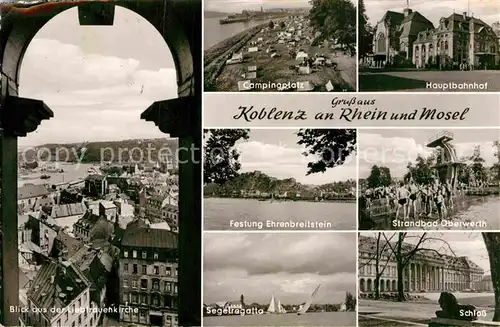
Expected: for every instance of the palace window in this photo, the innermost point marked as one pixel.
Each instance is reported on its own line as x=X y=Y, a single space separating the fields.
x=134 y=254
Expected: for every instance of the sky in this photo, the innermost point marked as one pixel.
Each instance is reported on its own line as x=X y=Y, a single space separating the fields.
x=239 y=5
x=469 y=244
x=433 y=10
x=276 y=153
x=394 y=148
x=290 y=265
x=97 y=80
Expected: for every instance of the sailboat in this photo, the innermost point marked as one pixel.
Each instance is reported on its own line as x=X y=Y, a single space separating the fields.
x=304 y=307
x=275 y=307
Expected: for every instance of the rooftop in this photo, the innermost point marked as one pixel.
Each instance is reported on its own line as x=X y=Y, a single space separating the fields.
x=65 y=210
x=30 y=191
x=149 y=237
x=56 y=285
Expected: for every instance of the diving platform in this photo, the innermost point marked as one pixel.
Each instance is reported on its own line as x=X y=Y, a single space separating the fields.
x=439 y=139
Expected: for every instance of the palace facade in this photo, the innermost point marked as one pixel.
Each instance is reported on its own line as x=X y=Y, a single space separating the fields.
x=428 y=271
x=459 y=39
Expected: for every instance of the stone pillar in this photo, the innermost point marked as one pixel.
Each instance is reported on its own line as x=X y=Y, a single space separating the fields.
x=18 y=117
x=421 y=277
x=409 y=278
x=427 y=278
x=181 y=118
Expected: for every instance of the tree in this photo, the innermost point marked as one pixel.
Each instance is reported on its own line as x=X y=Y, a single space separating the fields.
x=282 y=25
x=332 y=146
x=379 y=176
x=350 y=302
x=271 y=25
x=404 y=252
x=492 y=242
x=221 y=159
x=477 y=166
x=495 y=169
x=422 y=173
x=334 y=19
x=382 y=251
x=365 y=31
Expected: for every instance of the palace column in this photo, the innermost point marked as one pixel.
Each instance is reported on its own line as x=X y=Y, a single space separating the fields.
x=18 y=117
x=442 y=279
x=415 y=278
x=420 y=268
x=428 y=277
x=409 y=278
x=181 y=117
x=438 y=280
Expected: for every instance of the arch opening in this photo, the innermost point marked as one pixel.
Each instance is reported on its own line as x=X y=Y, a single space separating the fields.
x=98 y=85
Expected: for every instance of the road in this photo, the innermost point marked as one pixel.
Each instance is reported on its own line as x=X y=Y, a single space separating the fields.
x=346 y=66
x=425 y=309
x=416 y=81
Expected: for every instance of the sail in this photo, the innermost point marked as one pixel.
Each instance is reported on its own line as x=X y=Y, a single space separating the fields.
x=303 y=309
x=280 y=308
x=272 y=305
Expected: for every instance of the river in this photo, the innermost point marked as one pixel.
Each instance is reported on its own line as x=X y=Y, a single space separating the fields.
x=215 y=32
x=472 y=213
x=219 y=212
x=71 y=172
x=310 y=319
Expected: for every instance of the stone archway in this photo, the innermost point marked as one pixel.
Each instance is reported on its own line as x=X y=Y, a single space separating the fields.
x=362 y=285
x=179 y=23
x=369 y=286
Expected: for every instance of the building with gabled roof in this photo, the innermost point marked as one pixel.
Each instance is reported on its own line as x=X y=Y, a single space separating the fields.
x=62 y=286
x=395 y=33
x=92 y=226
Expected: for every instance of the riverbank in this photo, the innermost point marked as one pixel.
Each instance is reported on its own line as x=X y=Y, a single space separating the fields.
x=215 y=58
x=275 y=62
x=468 y=210
x=345 y=200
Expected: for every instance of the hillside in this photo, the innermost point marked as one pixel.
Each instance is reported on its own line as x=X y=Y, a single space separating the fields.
x=215 y=14
x=258 y=181
x=116 y=151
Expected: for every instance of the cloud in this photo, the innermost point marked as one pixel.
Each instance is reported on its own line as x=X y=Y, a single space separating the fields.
x=396 y=152
x=97 y=80
x=290 y=265
x=435 y=9
x=284 y=161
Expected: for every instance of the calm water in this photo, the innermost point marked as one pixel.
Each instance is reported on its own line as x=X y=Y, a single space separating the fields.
x=486 y=209
x=470 y=209
x=218 y=213
x=71 y=172
x=310 y=319
x=215 y=32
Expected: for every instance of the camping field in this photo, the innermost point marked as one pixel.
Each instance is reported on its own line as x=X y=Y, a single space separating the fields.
x=288 y=54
